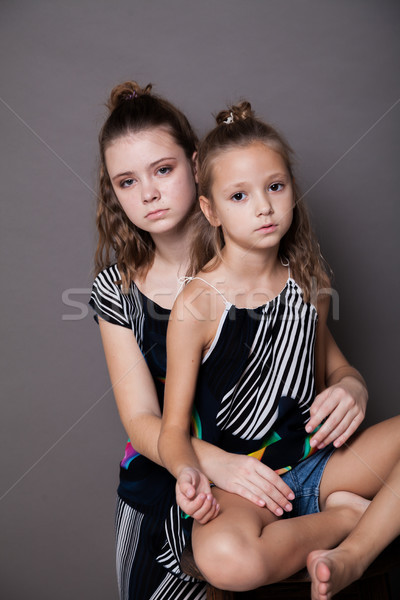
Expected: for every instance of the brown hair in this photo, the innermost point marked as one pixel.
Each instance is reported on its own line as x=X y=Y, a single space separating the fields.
x=132 y=109
x=238 y=126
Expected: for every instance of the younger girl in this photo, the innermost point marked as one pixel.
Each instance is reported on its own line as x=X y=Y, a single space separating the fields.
x=247 y=351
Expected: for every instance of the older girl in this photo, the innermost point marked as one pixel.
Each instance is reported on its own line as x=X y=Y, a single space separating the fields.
x=248 y=348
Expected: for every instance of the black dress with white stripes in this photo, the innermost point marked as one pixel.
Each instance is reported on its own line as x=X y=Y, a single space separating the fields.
x=150 y=535
x=256 y=382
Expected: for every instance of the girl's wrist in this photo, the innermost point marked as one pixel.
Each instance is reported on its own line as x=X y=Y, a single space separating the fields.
x=346 y=372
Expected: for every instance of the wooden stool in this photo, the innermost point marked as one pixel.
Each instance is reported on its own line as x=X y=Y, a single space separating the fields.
x=373 y=585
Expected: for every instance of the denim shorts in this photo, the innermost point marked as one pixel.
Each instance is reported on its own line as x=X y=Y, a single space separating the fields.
x=304 y=480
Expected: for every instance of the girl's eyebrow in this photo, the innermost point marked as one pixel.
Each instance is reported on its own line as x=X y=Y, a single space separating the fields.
x=234 y=185
x=151 y=166
x=237 y=184
x=278 y=174
x=125 y=174
x=165 y=158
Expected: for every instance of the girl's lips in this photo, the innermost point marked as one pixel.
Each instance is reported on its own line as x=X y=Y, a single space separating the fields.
x=267 y=228
x=156 y=214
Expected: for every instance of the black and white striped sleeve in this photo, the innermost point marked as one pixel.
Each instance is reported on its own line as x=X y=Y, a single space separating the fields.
x=107 y=300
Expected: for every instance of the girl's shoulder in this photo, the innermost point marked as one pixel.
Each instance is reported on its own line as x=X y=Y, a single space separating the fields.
x=109 y=279
x=109 y=276
x=109 y=300
x=201 y=286
x=199 y=299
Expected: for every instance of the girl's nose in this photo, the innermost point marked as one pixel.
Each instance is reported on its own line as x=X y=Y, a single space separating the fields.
x=265 y=207
x=149 y=192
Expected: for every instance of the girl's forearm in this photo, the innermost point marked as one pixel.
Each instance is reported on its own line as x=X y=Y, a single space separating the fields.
x=176 y=451
x=208 y=456
x=144 y=432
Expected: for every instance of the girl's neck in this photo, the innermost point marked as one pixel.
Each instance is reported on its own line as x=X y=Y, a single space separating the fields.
x=252 y=265
x=249 y=280
x=172 y=250
x=161 y=282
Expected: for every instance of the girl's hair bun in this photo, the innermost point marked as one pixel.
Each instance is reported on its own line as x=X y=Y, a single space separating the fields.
x=129 y=90
x=237 y=112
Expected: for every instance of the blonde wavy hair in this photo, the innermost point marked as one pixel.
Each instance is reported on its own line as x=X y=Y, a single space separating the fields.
x=238 y=127
x=131 y=109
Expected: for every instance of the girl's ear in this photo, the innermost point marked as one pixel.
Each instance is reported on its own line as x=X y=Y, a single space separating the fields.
x=207 y=210
x=194 y=166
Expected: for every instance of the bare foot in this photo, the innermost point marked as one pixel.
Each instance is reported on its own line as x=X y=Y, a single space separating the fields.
x=331 y=571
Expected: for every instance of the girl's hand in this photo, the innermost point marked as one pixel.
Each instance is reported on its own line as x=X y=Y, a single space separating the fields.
x=343 y=405
x=248 y=477
x=193 y=495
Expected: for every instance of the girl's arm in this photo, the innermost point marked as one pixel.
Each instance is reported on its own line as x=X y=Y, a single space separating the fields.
x=343 y=393
x=188 y=334
x=136 y=396
x=133 y=388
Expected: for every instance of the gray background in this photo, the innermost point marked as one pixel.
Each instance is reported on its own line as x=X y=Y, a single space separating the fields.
x=324 y=72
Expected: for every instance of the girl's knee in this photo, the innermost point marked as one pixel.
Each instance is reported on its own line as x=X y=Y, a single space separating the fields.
x=231 y=561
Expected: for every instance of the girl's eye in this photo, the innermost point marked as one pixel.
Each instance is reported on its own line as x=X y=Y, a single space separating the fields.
x=164 y=170
x=275 y=187
x=127 y=183
x=238 y=196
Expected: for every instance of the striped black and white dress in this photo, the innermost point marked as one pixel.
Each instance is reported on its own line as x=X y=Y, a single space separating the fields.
x=150 y=534
x=256 y=383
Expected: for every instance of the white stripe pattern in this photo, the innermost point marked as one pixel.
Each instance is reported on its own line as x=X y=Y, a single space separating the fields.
x=128 y=523
x=112 y=305
x=280 y=363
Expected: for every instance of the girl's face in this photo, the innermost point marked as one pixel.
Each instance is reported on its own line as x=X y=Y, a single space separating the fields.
x=252 y=196
x=152 y=179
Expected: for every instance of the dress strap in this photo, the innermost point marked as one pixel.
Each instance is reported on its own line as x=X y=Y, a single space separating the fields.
x=185 y=280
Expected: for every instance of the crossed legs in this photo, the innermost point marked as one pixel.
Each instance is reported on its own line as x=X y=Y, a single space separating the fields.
x=246 y=546
x=372 y=461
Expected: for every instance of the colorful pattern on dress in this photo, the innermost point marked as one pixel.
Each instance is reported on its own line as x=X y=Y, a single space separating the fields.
x=195 y=425
x=274 y=437
x=130 y=454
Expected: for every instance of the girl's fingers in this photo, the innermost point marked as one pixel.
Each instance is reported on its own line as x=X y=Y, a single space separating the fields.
x=266 y=488
x=320 y=409
x=187 y=489
x=253 y=494
x=207 y=511
x=190 y=506
x=271 y=490
x=343 y=410
x=270 y=498
x=275 y=507
x=277 y=503
x=349 y=431
x=269 y=476
x=340 y=433
x=277 y=499
x=333 y=427
x=338 y=414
